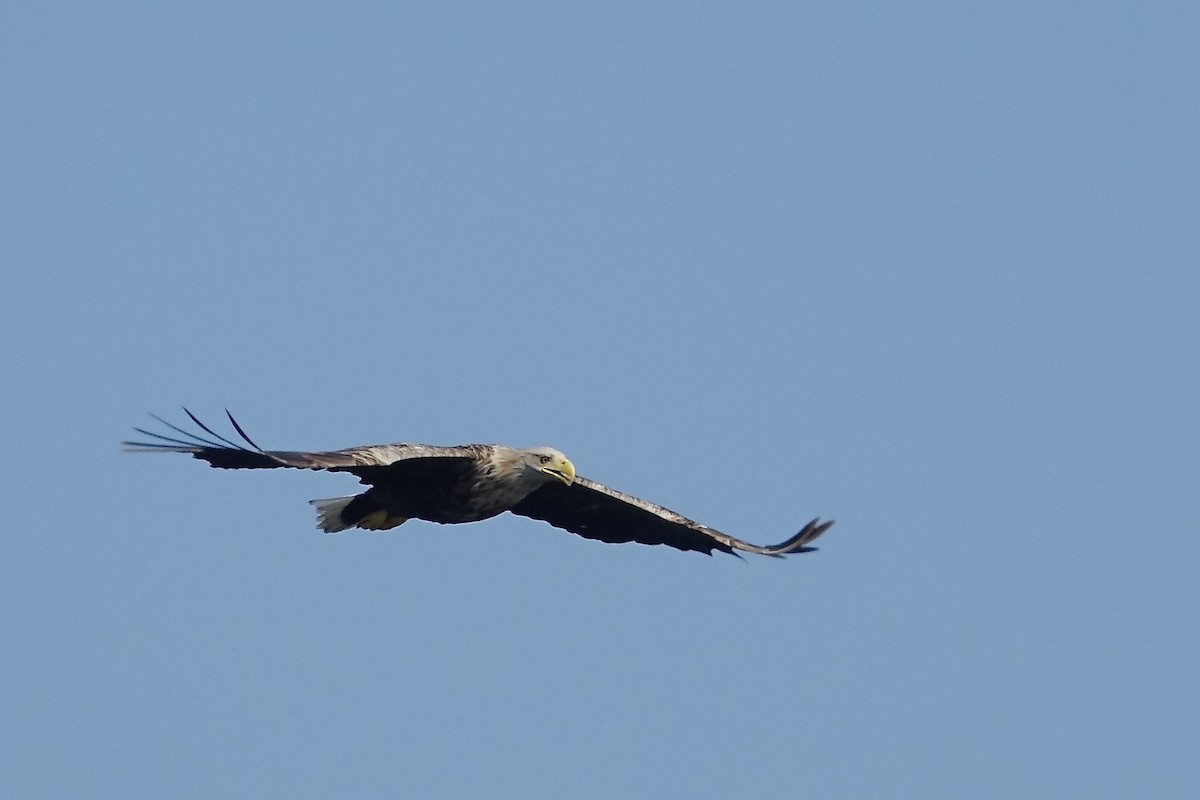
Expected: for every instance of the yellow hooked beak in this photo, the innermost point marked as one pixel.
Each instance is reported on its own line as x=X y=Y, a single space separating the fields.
x=562 y=469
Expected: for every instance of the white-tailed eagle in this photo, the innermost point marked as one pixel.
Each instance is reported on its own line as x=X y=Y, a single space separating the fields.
x=469 y=483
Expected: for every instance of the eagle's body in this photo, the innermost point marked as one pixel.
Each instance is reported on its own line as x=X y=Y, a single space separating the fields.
x=469 y=483
x=481 y=482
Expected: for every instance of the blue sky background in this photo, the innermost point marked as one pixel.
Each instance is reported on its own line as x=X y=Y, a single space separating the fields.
x=929 y=269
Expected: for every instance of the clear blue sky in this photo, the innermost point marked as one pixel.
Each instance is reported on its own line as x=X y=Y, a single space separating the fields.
x=929 y=269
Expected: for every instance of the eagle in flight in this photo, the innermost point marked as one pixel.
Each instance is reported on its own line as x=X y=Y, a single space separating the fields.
x=469 y=483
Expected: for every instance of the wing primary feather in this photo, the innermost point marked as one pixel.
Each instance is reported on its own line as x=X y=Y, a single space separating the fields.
x=211 y=432
x=196 y=439
x=193 y=441
x=173 y=442
x=242 y=433
x=799 y=542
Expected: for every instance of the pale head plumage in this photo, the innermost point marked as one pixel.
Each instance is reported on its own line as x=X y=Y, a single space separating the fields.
x=529 y=467
x=550 y=463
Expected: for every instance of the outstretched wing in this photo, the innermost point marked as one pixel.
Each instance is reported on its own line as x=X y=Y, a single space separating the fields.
x=595 y=511
x=365 y=461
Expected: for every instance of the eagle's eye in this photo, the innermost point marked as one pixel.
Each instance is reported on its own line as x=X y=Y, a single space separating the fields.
x=545 y=459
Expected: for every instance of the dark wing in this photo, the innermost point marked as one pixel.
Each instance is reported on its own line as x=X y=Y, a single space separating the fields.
x=372 y=463
x=595 y=511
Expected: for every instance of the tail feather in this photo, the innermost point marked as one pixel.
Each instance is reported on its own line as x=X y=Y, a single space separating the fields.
x=329 y=513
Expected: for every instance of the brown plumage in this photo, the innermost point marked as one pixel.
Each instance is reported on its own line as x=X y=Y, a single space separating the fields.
x=469 y=483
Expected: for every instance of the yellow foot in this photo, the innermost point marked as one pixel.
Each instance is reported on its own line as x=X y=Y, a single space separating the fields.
x=380 y=521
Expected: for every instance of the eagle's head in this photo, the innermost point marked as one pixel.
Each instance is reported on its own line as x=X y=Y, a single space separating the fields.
x=551 y=463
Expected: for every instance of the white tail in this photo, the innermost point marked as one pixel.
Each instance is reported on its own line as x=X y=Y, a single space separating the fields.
x=329 y=513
